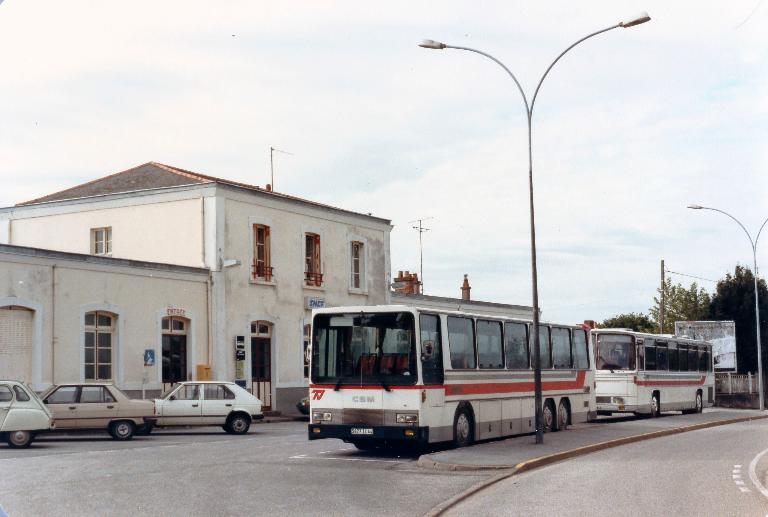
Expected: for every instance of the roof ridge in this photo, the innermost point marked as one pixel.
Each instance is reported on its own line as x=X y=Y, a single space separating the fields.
x=31 y=201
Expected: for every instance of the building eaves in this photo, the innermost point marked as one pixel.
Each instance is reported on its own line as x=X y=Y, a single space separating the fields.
x=99 y=260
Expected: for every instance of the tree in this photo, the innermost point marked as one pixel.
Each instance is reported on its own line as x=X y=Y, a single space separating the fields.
x=638 y=322
x=680 y=304
x=735 y=300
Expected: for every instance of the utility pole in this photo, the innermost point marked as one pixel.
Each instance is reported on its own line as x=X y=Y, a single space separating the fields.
x=661 y=301
x=272 y=164
x=421 y=229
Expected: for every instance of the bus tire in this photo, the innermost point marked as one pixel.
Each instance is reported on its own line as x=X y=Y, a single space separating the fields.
x=699 y=402
x=655 y=405
x=548 y=416
x=463 y=434
x=563 y=414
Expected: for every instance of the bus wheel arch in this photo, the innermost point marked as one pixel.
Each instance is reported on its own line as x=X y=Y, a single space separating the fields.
x=464 y=425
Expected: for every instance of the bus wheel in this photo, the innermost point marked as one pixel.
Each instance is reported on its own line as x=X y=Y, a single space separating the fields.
x=462 y=428
x=563 y=416
x=655 y=406
x=699 y=403
x=548 y=416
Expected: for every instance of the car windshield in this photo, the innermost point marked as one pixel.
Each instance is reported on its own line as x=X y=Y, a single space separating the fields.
x=615 y=352
x=364 y=348
x=169 y=391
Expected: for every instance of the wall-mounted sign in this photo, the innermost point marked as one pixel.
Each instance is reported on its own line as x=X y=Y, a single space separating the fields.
x=149 y=357
x=175 y=311
x=311 y=302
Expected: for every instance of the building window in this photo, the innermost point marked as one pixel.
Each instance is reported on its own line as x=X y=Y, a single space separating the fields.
x=262 y=262
x=174 y=349
x=357 y=263
x=307 y=340
x=312 y=274
x=101 y=241
x=99 y=337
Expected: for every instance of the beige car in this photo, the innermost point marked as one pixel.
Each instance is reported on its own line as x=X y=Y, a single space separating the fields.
x=99 y=406
x=22 y=414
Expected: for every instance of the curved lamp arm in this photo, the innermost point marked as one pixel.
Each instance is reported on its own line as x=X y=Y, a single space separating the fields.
x=752 y=242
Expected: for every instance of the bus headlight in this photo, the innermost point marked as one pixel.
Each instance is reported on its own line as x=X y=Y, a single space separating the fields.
x=318 y=416
x=407 y=418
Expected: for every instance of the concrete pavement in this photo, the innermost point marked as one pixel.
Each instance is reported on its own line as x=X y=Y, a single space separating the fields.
x=580 y=439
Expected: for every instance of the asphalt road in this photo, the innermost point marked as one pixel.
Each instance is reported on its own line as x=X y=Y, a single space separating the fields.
x=710 y=472
x=272 y=470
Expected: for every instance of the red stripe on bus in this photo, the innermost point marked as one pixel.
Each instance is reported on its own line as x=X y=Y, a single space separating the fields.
x=474 y=388
x=652 y=382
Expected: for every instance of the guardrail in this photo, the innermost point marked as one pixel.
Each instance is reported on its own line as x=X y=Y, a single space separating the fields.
x=735 y=383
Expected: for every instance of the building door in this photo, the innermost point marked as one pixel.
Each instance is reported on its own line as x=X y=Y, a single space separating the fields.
x=16 y=343
x=261 y=362
x=174 y=350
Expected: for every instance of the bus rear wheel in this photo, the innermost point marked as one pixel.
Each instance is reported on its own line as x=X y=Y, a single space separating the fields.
x=699 y=403
x=462 y=428
x=548 y=416
x=563 y=415
x=655 y=405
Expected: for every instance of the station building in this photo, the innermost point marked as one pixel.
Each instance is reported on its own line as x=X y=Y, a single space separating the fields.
x=157 y=274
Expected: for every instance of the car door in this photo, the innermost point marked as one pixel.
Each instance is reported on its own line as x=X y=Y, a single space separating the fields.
x=95 y=407
x=217 y=403
x=62 y=402
x=182 y=407
x=6 y=398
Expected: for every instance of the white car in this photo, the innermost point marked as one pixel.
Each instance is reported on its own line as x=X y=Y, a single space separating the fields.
x=22 y=414
x=209 y=403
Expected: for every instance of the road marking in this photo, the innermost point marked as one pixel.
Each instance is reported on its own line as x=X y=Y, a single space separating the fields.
x=753 y=474
x=744 y=489
x=739 y=483
x=736 y=476
x=737 y=466
x=298 y=457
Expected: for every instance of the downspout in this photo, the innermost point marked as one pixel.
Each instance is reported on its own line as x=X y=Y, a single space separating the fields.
x=53 y=324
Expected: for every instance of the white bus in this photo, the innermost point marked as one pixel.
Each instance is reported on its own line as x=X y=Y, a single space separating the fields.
x=650 y=373
x=394 y=374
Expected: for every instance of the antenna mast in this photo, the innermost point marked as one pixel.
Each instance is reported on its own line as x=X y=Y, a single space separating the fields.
x=421 y=229
x=272 y=164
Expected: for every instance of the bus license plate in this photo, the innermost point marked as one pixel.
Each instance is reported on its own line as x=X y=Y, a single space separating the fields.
x=362 y=430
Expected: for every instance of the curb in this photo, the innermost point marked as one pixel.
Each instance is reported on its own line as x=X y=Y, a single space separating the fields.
x=541 y=461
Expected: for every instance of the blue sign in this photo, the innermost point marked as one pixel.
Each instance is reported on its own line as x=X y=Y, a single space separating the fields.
x=149 y=357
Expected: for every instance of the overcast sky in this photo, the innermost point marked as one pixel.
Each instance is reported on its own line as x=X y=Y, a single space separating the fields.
x=630 y=126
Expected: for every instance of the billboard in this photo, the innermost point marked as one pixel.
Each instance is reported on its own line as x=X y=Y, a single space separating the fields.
x=722 y=335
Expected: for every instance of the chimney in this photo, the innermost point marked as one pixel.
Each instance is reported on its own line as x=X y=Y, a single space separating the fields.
x=589 y=324
x=408 y=283
x=269 y=187
x=465 y=289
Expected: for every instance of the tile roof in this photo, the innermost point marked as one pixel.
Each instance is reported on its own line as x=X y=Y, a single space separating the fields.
x=153 y=175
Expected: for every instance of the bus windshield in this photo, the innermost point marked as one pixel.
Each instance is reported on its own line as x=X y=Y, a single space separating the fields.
x=365 y=348
x=615 y=352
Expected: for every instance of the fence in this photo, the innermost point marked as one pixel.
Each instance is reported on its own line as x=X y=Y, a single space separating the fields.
x=728 y=383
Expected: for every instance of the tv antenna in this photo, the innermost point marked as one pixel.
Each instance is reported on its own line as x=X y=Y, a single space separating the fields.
x=421 y=229
x=272 y=164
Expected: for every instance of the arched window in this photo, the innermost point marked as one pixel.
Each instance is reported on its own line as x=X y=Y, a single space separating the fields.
x=99 y=339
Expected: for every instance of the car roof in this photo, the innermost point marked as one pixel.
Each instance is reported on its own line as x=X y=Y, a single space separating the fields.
x=208 y=382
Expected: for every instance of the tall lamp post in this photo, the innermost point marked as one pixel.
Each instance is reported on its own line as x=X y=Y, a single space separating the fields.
x=753 y=243
x=637 y=20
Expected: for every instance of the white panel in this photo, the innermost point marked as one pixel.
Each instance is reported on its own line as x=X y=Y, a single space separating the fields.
x=5 y=231
x=511 y=414
x=490 y=419
x=16 y=344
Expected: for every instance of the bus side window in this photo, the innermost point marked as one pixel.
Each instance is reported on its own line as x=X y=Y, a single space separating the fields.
x=640 y=356
x=580 y=353
x=461 y=342
x=703 y=359
x=693 y=359
x=516 y=346
x=431 y=349
x=489 y=351
x=561 y=348
x=661 y=356
x=650 y=357
x=674 y=362
x=683 y=352
x=545 y=351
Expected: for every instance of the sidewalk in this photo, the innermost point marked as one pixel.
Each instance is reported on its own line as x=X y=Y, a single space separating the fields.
x=522 y=453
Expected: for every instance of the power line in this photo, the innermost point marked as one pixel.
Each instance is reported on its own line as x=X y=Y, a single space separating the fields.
x=691 y=276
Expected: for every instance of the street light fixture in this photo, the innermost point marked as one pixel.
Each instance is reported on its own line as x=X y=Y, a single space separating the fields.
x=437 y=45
x=753 y=243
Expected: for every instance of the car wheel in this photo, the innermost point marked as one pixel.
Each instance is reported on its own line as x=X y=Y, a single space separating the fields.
x=19 y=439
x=122 y=430
x=548 y=417
x=563 y=415
x=239 y=424
x=462 y=428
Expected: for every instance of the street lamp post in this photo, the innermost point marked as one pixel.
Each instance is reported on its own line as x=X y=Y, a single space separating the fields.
x=431 y=44
x=753 y=243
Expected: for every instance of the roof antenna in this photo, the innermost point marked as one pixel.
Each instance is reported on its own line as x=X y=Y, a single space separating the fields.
x=272 y=164
x=421 y=229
